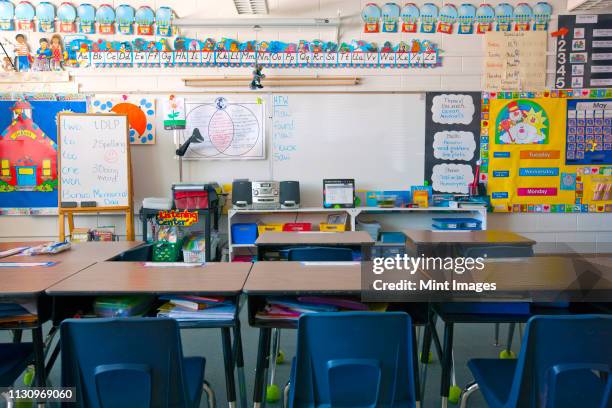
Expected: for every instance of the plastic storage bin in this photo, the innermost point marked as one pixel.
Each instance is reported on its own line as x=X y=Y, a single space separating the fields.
x=297 y=226
x=388 y=250
x=244 y=233
x=456 y=224
x=194 y=196
x=371 y=227
x=325 y=227
x=166 y=251
x=392 y=237
x=269 y=228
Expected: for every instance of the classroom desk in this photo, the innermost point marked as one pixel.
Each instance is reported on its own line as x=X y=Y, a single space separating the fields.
x=537 y=279
x=130 y=278
x=270 y=241
x=294 y=279
x=97 y=251
x=427 y=242
x=26 y=283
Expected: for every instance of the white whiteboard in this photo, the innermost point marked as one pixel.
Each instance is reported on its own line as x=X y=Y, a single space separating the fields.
x=231 y=130
x=94 y=159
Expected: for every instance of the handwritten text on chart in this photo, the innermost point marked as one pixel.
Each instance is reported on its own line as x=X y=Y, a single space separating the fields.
x=454 y=145
x=451 y=178
x=283 y=126
x=453 y=109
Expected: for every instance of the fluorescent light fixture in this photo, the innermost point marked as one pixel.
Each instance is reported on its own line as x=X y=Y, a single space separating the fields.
x=251 y=6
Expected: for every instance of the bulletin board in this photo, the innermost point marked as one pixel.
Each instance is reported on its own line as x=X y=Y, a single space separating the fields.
x=528 y=158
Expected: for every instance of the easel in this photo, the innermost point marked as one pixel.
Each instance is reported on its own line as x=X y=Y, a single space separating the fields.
x=67 y=213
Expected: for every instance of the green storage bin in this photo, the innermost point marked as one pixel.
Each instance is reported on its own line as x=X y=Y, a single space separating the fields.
x=167 y=251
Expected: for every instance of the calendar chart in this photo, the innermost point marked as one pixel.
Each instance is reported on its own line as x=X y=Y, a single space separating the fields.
x=589 y=131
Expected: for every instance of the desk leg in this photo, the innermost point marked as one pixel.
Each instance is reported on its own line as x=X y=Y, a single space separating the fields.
x=447 y=363
x=39 y=356
x=229 y=367
x=263 y=353
x=17 y=335
x=240 y=365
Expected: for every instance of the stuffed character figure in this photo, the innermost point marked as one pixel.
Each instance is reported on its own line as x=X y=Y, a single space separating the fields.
x=257 y=77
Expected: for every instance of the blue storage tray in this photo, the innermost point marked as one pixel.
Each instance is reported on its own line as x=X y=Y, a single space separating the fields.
x=244 y=233
x=456 y=224
x=392 y=238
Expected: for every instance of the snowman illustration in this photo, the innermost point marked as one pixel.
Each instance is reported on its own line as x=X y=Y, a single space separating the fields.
x=519 y=127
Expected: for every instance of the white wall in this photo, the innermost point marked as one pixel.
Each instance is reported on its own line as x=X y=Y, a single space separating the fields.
x=155 y=170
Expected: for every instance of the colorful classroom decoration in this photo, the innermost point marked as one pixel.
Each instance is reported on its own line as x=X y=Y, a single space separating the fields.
x=410 y=17
x=584 y=54
x=87 y=18
x=7 y=12
x=28 y=149
x=504 y=14
x=390 y=17
x=448 y=18
x=163 y=20
x=530 y=152
x=429 y=16
x=190 y=52
x=45 y=14
x=145 y=17
x=140 y=111
x=173 y=109
x=66 y=14
x=231 y=130
x=24 y=16
x=105 y=18
x=523 y=15
x=467 y=15
x=541 y=15
x=589 y=131
x=452 y=136
x=125 y=19
x=371 y=17
x=485 y=15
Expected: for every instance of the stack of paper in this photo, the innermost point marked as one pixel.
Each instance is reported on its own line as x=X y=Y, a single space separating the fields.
x=283 y=308
x=190 y=308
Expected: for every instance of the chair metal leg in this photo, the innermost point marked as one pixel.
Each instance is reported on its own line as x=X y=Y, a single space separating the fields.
x=286 y=395
x=496 y=343
x=9 y=402
x=511 y=328
x=210 y=395
x=465 y=394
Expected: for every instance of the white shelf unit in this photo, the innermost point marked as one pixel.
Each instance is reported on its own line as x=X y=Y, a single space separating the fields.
x=392 y=219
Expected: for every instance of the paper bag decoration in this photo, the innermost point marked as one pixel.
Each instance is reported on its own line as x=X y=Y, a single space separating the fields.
x=105 y=17
x=24 y=16
x=448 y=18
x=145 y=18
x=541 y=15
x=174 y=113
x=371 y=17
x=485 y=15
x=7 y=11
x=429 y=16
x=504 y=13
x=45 y=14
x=390 y=17
x=66 y=14
x=410 y=16
x=125 y=19
x=87 y=18
x=523 y=14
x=467 y=15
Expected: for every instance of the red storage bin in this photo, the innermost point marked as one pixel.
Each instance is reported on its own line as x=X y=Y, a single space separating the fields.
x=192 y=200
x=297 y=226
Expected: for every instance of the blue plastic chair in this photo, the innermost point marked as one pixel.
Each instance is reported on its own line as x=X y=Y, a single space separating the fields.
x=14 y=358
x=130 y=362
x=565 y=361
x=324 y=254
x=353 y=359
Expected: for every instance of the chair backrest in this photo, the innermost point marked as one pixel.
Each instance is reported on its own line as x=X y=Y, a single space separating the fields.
x=123 y=362
x=565 y=361
x=498 y=251
x=354 y=359
x=331 y=254
x=141 y=253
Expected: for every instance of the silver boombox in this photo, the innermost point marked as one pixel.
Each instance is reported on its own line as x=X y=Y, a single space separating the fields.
x=266 y=195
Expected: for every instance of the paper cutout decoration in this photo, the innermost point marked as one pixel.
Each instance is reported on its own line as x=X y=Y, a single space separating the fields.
x=7 y=11
x=66 y=14
x=145 y=17
x=173 y=110
x=504 y=13
x=467 y=15
x=371 y=16
x=429 y=16
x=523 y=14
x=522 y=122
x=163 y=19
x=105 y=17
x=410 y=16
x=125 y=19
x=485 y=15
x=24 y=16
x=87 y=18
x=448 y=17
x=541 y=15
x=568 y=181
x=140 y=111
x=390 y=17
x=45 y=14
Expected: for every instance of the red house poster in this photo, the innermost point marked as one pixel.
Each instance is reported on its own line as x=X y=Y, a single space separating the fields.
x=28 y=151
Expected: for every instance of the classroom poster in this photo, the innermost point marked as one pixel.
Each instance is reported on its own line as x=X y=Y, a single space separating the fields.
x=139 y=109
x=28 y=151
x=452 y=128
x=527 y=169
x=584 y=51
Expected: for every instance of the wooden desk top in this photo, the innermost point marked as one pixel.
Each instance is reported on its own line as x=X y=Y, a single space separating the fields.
x=315 y=238
x=425 y=237
x=29 y=281
x=291 y=278
x=82 y=251
x=133 y=277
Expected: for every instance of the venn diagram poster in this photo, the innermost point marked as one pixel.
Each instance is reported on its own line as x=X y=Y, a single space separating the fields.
x=531 y=166
x=452 y=139
x=229 y=130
